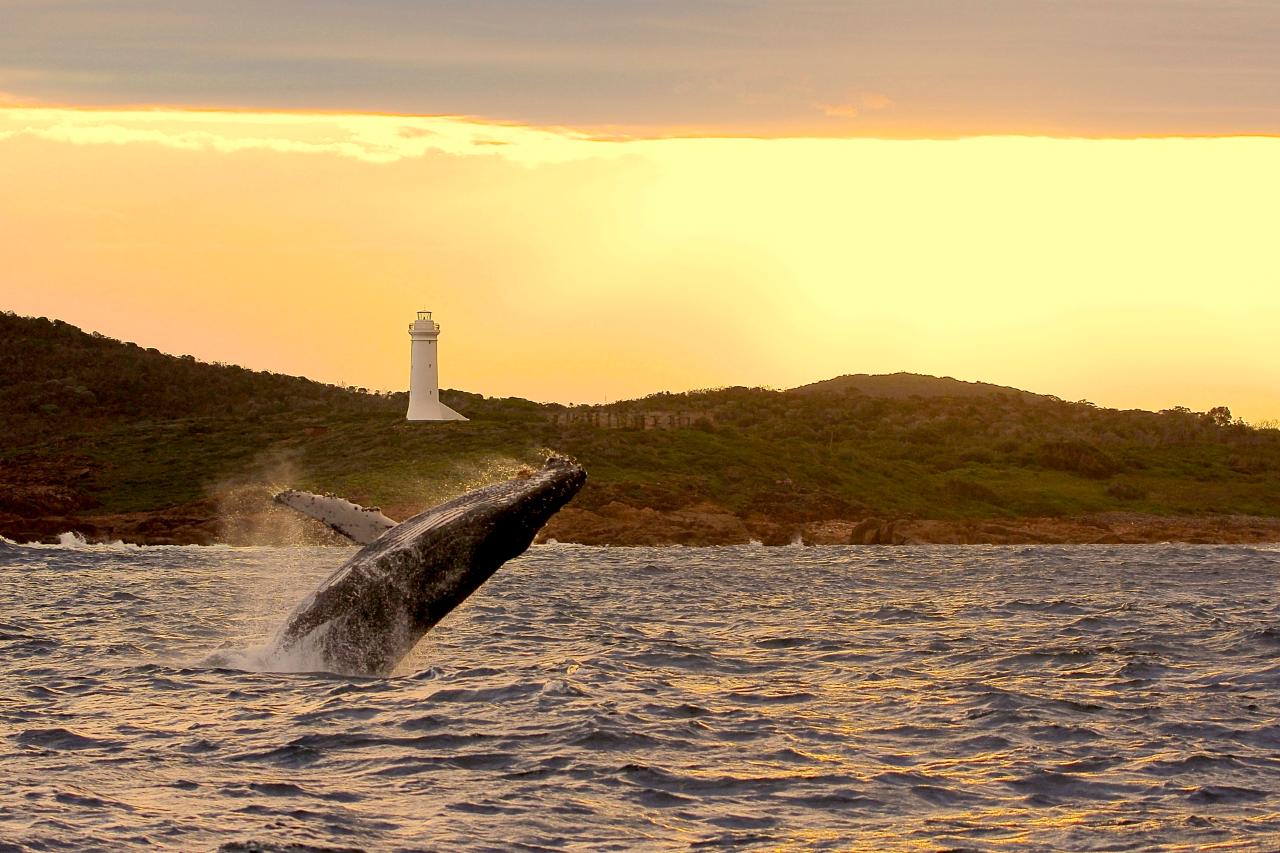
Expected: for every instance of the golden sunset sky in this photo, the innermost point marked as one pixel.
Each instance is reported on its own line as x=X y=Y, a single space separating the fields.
x=605 y=200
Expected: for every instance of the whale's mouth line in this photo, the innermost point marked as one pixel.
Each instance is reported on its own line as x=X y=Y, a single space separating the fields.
x=371 y=612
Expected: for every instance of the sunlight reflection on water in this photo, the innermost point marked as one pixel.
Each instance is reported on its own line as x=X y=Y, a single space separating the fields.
x=911 y=698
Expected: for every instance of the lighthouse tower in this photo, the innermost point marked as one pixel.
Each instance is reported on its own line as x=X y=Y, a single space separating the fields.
x=424 y=373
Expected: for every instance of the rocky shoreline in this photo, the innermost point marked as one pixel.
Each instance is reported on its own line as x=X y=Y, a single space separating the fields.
x=258 y=522
x=619 y=525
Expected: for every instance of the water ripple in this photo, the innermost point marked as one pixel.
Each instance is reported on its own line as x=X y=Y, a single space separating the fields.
x=1052 y=698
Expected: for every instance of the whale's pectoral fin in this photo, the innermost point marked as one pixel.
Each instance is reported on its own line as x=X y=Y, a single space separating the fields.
x=361 y=525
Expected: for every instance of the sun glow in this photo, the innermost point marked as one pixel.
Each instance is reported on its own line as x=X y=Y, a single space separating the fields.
x=562 y=266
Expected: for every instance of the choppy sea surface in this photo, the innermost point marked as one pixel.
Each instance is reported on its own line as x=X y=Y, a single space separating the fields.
x=978 y=698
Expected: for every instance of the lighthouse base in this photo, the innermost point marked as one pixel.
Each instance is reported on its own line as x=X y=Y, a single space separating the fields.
x=431 y=410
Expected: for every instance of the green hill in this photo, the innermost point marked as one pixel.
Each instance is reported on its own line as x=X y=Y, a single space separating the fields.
x=93 y=430
x=901 y=386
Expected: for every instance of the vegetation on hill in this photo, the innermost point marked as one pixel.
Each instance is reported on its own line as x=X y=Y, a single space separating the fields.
x=108 y=427
x=904 y=385
x=52 y=372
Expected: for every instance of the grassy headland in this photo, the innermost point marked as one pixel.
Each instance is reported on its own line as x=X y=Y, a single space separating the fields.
x=118 y=440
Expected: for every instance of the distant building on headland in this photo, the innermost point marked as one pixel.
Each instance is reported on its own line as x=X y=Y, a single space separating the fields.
x=602 y=417
x=424 y=373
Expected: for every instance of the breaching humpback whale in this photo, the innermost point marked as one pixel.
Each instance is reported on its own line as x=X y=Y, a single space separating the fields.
x=373 y=610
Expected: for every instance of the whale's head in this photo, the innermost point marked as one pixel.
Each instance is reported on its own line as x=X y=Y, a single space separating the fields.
x=489 y=525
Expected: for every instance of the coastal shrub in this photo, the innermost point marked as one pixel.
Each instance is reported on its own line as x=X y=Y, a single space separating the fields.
x=1078 y=457
x=969 y=490
x=1249 y=465
x=1126 y=491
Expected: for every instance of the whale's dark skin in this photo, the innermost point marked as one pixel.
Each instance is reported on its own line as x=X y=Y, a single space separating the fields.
x=373 y=610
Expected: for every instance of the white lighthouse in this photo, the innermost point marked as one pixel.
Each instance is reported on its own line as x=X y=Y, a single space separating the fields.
x=424 y=373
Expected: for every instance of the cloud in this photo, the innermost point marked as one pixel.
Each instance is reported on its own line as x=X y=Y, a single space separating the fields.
x=876 y=101
x=9 y=99
x=367 y=138
x=1084 y=67
x=839 y=110
x=867 y=101
x=13 y=79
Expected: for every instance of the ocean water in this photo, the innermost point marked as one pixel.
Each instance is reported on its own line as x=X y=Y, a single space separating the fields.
x=932 y=698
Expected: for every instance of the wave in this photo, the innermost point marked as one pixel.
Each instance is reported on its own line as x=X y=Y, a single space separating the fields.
x=74 y=541
x=862 y=700
x=70 y=540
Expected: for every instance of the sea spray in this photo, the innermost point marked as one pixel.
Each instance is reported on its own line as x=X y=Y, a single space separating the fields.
x=246 y=514
x=415 y=490
x=74 y=540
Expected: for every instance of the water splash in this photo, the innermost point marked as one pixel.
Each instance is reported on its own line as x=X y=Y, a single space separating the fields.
x=268 y=658
x=249 y=516
x=74 y=541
